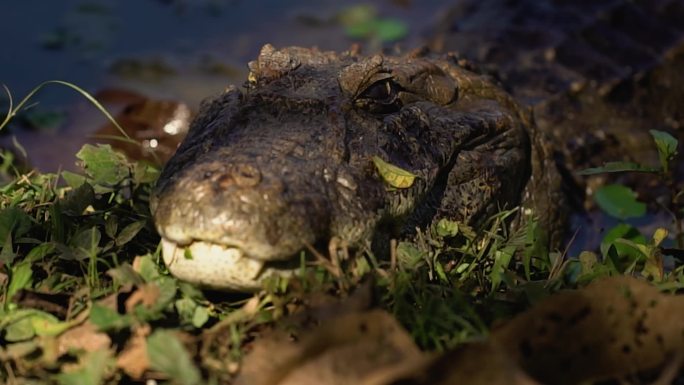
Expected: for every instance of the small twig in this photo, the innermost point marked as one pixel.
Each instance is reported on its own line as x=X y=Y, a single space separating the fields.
x=393 y=254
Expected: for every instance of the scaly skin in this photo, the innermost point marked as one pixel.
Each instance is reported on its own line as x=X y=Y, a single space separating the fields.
x=287 y=163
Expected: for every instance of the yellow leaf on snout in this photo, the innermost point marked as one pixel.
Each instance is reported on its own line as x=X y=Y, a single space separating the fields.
x=393 y=175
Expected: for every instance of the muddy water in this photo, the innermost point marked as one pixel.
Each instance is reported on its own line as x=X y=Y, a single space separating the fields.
x=170 y=50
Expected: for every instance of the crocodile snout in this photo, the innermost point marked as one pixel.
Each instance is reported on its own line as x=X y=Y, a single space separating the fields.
x=255 y=208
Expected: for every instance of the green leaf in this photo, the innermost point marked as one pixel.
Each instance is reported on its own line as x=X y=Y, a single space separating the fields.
x=622 y=231
x=659 y=236
x=200 y=317
x=91 y=370
x=360 y=31
x=111 y=226
x=409 y=256
x=87 y=240
x=185 y=307
x=23 y=324
x=13 y=221
x=46 y=324
x=125 y=274
x=617 y=167
x=447 y=228
x=21 y=330
x=108 y=319
x=129 y=232
x=168 y=355
x=20 y=278
x=148 y=269
x=619 y=201
x=502 y=258
x=73 y=180
x=393 y=175
x=39 y=252
x=667 y=147
x=144 y=173
x=104 y=165
x=389 y=30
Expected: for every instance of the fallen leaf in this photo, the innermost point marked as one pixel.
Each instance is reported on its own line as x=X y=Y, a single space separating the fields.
x=364 y=342
x=133 y=359
x=83 y=337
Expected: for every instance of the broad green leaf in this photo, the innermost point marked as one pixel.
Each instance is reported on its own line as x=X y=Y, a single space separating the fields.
x=200 y=317
x=167 y=292
x=617 y=167
x=108 y=319
x=667 y=147
x=87 y=240
x=360 y=31
x=124 y=274
x=104 y=165
x=619 y=201
x=39 y=252
x=20 y=278
x=23 y=324
x=129 y=232
x=393 y=175
x=622 y=231
x=92 y=369
x=13 y=221
x=186 y=310
x=46 y=324
x=147 y=268
x=111 y=226
x=73 y=180
x=168 y=355
x=145 y=173
x=20 y=330
x=389 y=30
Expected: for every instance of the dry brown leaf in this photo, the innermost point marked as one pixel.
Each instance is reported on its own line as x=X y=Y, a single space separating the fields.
x=133 y=359
x=613 y=328
x=84 y=336
x=344 y=350
x=147 y=294
x=480 y=363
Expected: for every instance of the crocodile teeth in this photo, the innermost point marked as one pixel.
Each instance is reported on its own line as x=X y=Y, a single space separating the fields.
x=214 y=266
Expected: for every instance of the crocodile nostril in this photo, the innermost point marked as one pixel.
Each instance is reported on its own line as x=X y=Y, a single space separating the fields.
x=245 y=175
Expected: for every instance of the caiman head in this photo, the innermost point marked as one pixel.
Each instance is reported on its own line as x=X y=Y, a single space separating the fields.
x=287 y=163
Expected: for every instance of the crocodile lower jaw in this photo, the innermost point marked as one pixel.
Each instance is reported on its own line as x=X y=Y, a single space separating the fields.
x=219 y=267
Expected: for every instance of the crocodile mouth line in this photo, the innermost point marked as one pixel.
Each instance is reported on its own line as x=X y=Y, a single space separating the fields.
x=210 y=265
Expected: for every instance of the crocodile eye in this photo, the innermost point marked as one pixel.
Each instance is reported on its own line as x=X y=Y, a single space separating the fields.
x=380 y=97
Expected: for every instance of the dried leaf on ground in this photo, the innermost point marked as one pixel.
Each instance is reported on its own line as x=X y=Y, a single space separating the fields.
x=344 y=350
x=83 y=337
x=613 y=328
x=133 y=359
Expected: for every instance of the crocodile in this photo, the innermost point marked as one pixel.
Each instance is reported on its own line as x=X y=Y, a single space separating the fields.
x=287 y=163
